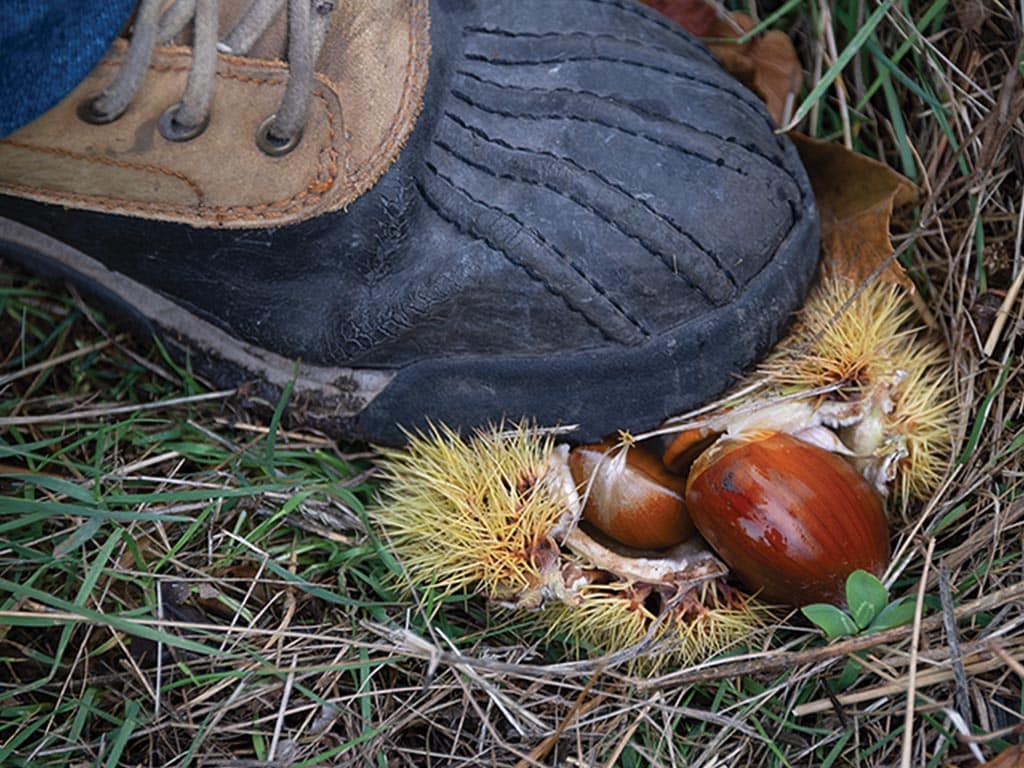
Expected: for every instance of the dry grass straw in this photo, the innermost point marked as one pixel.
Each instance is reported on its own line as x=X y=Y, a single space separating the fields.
x=182 y=586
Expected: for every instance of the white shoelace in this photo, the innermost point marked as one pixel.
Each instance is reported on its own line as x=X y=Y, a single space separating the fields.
x=308 y=21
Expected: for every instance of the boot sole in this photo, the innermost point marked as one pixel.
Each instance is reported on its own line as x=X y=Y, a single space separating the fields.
x=626 y=387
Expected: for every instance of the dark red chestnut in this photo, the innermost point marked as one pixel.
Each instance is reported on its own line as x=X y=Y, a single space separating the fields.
x=630 y=496
x=791 y=520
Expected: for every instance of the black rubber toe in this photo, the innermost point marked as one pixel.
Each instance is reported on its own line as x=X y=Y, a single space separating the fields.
x=591 y=224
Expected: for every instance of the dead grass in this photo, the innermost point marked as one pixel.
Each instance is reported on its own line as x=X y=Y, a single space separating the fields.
x=180 y=585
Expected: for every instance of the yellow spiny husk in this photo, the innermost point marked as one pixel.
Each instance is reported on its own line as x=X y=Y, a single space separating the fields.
x=861 y=338
x=842 y=336
x=608 y=618
x=920 y=418
x=709 y=619
x=472 y=515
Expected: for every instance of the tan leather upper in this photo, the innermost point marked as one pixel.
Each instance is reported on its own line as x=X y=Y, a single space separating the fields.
x=371 y=77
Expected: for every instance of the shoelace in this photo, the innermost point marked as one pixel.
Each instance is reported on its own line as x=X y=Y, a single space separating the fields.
x=308 y=21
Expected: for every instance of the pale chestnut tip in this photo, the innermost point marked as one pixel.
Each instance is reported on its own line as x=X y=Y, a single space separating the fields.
x=630 y=496
x=790 y=519
x=687 y=446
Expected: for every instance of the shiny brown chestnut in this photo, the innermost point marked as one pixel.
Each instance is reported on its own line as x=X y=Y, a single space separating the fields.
x=630 y=496
x=791 y=520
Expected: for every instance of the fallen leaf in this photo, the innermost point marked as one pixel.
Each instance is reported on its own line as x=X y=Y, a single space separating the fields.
x=767 y=64
x=1011 y=757
x=856 y=196
x=695 y=16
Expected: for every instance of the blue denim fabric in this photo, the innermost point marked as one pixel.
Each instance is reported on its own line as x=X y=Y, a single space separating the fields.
x=47 y=47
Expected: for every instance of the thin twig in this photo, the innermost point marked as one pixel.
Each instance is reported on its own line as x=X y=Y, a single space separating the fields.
x=286 y=696
x=775 y=661
x=1011 y=662
x=1003 y=313
x=97 y=413
x=627 y=737
x=53 y=362
x=924 y=680
x=580 y=707
x=960 y=696
x=915 y=644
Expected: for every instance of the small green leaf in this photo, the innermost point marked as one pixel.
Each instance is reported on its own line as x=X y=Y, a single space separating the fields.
x=866 y=596
x=830 y=620
x=851 y=671
x=896 y=614
x=79 y=536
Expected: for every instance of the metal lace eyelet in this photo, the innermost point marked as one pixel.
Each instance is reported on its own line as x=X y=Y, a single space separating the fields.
x=88 y=113
x=273 y=145
x=172 y=130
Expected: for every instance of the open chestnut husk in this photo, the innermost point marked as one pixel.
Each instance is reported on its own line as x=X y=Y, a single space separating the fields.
x=497 y=513
x=790 y=519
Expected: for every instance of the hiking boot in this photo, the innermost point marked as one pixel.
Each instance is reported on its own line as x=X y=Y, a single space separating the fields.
x=446 y=211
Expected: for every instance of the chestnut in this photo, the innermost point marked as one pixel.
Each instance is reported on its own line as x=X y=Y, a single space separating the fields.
x=790 y=519
x=630 y=496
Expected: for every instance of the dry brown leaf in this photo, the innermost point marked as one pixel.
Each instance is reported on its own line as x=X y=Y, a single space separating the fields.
x=767 y=64
x=1011 y=757
x=695 y=16
x=856 y=196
